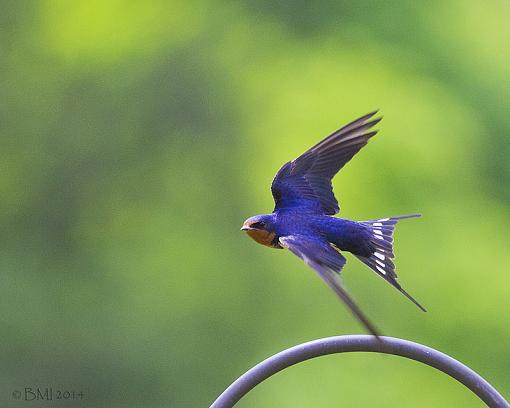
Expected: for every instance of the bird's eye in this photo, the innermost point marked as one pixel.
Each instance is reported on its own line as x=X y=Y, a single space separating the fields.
x=258 y=225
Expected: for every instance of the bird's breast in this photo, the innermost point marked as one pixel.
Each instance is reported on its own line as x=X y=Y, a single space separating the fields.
x=263 y=237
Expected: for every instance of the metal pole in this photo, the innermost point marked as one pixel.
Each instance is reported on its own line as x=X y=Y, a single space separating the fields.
x=365 y=343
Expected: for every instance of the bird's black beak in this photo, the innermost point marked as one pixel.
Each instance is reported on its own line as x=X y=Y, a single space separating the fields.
x=245 y=227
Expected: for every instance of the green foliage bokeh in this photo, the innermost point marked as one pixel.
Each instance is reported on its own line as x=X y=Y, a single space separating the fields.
x=137 y=136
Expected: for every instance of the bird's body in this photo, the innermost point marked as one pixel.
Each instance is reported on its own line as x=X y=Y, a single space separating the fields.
x=303 y=221
x=346 y=235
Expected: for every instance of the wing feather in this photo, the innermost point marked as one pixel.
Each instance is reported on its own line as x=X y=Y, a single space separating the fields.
x=328 y=263
x=306 y=181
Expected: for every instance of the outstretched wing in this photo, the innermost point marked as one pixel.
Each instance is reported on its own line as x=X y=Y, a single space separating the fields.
x=306 y=181
x=328 y=263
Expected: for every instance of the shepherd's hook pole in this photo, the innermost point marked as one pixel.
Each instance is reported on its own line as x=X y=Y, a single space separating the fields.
x=346 y=344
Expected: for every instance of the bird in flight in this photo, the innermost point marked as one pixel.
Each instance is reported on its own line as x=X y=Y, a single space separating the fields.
x=302 y=220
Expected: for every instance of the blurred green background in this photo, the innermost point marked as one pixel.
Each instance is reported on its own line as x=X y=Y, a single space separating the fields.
x=137 y=136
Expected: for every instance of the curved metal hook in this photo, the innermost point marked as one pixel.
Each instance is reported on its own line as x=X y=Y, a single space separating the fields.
x=344 y=344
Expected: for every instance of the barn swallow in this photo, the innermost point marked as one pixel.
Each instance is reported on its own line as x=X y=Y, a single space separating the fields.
x=302 y=220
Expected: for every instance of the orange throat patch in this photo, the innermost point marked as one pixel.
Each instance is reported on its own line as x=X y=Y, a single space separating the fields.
x=262 y=237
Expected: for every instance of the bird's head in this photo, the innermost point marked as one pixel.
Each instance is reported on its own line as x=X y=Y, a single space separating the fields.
x=261 y=229
x=258 y=223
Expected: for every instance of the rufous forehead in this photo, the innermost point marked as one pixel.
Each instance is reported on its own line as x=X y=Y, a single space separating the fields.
x=249 y=222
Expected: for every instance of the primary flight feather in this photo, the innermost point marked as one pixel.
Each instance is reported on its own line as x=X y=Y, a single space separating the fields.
x=302 y=220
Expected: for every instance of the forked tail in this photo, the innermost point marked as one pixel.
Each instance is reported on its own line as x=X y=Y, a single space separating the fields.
x=381 y=260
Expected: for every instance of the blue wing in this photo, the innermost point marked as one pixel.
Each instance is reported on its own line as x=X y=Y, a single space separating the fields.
x=327 y=262
x=306 y=181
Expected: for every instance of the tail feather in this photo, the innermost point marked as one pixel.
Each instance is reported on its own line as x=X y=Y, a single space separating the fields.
x=381 y=260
